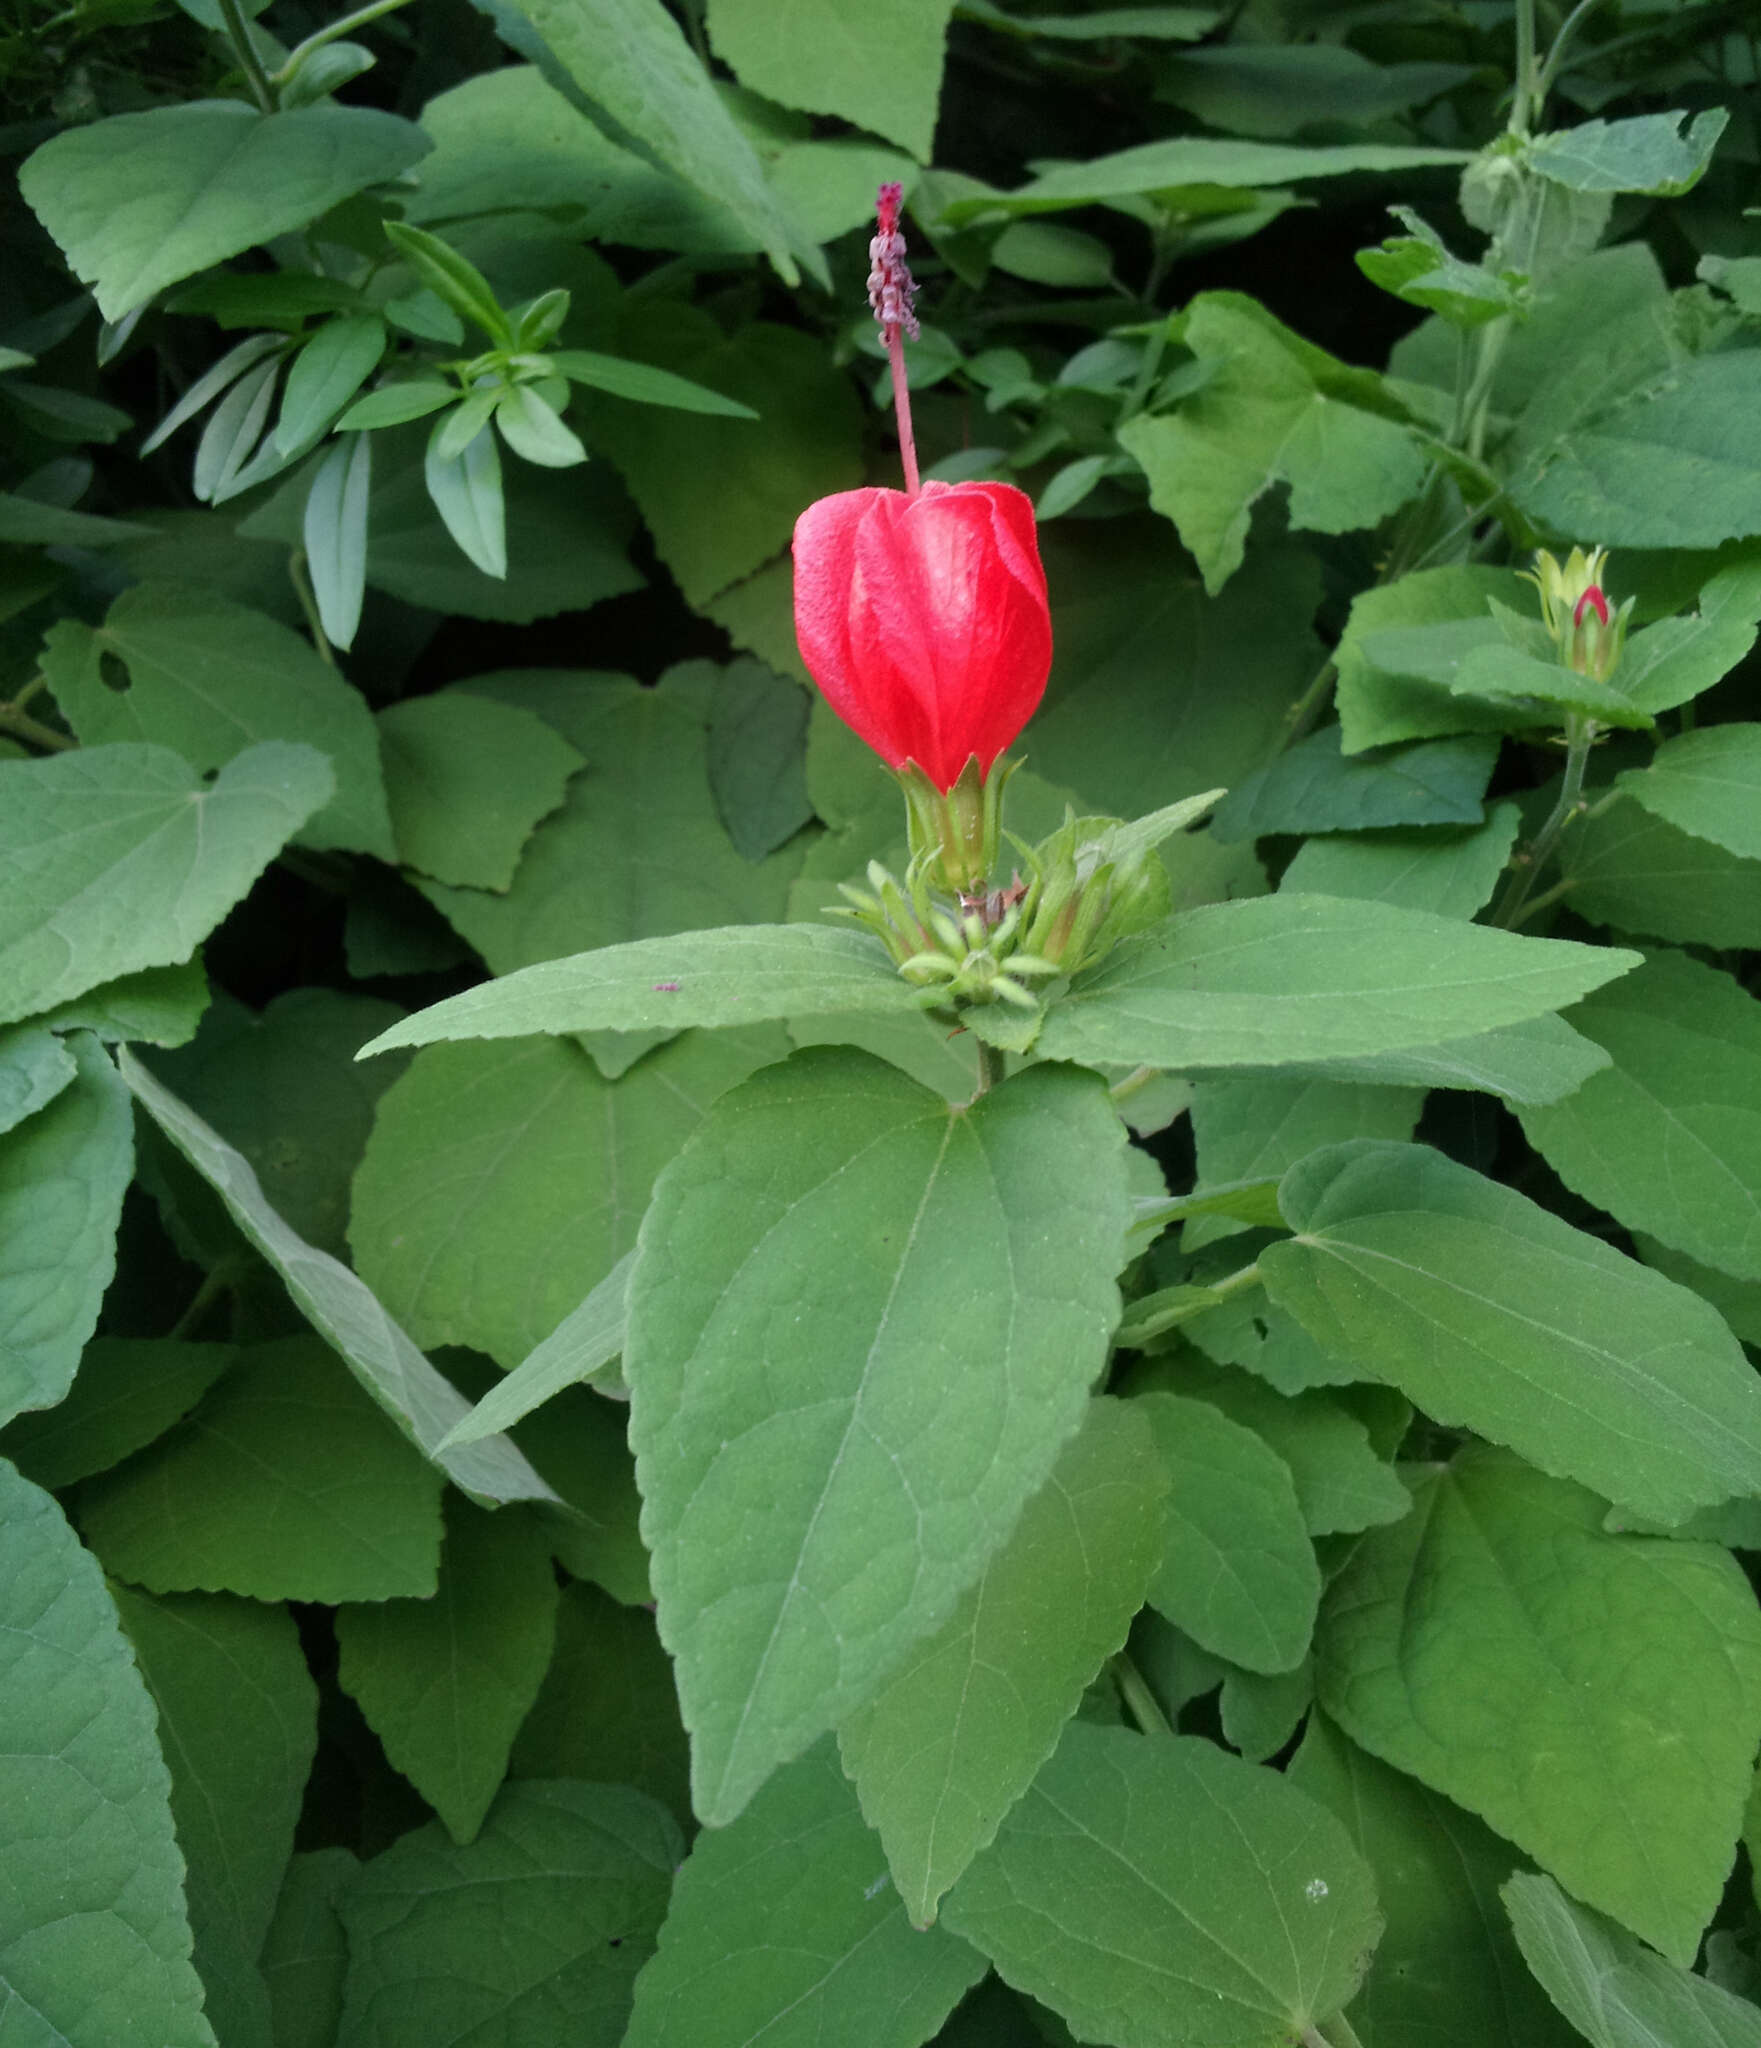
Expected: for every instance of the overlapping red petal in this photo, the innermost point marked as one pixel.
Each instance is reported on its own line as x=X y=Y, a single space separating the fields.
x=924 y=620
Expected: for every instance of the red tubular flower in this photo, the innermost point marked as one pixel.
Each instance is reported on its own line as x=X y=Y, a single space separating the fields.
x=924 y=620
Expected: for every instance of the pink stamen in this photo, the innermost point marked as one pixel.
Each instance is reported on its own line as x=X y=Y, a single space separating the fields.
x=1592 y=600
x=891 y=292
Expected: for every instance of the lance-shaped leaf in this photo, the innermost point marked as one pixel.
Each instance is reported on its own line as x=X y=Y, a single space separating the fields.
x=1596 y=1698
x=116 y=858
x=343 y=1310
x=94 y=1940
x=1612 y=1988
x=1494 y=1315
x=1159 y=1893
x=1282 y=980
x=862 y=1325
x=959 y=1731
x=783 y=1928
x=742 y=974
x=581 y=1347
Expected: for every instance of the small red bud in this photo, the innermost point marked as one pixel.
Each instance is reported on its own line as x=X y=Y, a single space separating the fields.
x=1592 y=600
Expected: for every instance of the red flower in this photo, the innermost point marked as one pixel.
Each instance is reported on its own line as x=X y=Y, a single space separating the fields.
x=924 y=619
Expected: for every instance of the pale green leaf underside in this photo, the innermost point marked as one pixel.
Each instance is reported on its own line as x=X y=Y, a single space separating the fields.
x=580 y=1348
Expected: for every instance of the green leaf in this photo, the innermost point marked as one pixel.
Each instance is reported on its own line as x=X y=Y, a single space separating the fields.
x=306 y=1952
x=881 y=69
x=1646 y=154
x=24 y=521
x=579 y=1445
x=162 y=1005
x=465 y=489
x=1492 y=1314
x=1249 y=1920
x=334 y=531
x=552 y=1910
x=238 y=1722
x=140 y=200
x=757 y=757
x=206 y=677
x=445 y=1682
x=643 y=383
x=502 y=1182
x=738 y=975
x=636 y=849
x=396 y=404
x=685 y=470
x=587 y=1341
x=799 y=1549
x=1238 y=1572
x=468 y=780
x=1707 y=783
x=1667 y=663
x=1628 y=868
x=1451 y=874
x=566 y=537
x=607 y=1710
x=1538 y=1061
x=94 y=1942
x=1614 y=1991
x=1668 y=1138
x=218 y=377
x=1447 y=1969
x=1595 y=1698
x=1273 y=412
x=1340 y=1482
x=325 y=375
x=127 y=1393
x=1194 y=160
x=116 y=858
x=1312 y=787
x=1667 y=462
x=1284 y=979
x=1260 y=1713
x=452 y=278
x=632 y=60
x=285 y=1088
x=34 y=1068
x=1402 y=637
x=283 y=1485
x=422 y=1404
x=1538 y=692
x=957 y=1734
x=1421 y=269
x=63 y=1175
x=535 y=431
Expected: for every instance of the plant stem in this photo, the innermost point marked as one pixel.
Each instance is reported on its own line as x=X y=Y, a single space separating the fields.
x=1524 y=95
x=991 y=1067
x=1338 y=2033
x=1140 y=1703
x=349 y=22
x=1579 y=732
x=1139 y=1077
x=301 y=580
x=902 y=408
x=221 y=1281
x=15 y=720
x=1556 y=56
x=239 y=35
x=1300 y=719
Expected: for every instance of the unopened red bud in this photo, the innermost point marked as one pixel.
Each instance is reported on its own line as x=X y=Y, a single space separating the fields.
x=1592 y=600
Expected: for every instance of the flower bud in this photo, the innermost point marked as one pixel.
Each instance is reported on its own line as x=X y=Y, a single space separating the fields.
x=1588 y=633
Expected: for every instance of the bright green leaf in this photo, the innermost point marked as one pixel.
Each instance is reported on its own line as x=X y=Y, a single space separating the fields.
x=325 y=375
x=956 y=1735
x=587 y=1341
x=141 y=200
x=1707 y=783
x=1493 y=1314
x=1596 y=1698
x=1245 y=1921
x=116 y=858
x=803 y=1540
x=94 y=1941
x=159 y=1005
x=465 y=489
x=1645 y=154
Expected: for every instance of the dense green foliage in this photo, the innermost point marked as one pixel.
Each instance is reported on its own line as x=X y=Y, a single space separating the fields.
x=710 y=1491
